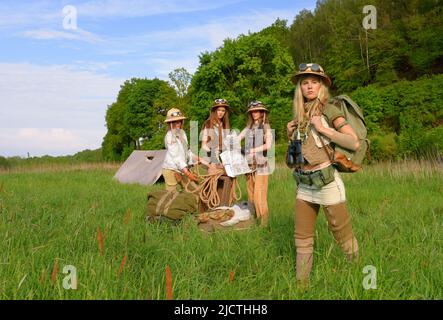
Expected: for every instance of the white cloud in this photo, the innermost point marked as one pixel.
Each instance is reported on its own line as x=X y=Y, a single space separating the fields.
x=94 y=66
x=144 y=8
x=50 y=141
x=49 y=97
x=24 y=14
x=163 y=51
x=212 y=33
x=48 y=34
x=14 y=14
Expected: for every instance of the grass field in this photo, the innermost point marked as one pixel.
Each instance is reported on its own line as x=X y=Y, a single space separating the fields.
x=51 y=217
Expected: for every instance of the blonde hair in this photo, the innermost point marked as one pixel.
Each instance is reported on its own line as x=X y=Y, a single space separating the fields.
x=304 y=110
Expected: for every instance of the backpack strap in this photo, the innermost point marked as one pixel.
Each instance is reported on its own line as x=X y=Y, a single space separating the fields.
x=162 y=200
x=168 y=204
x=330 y=156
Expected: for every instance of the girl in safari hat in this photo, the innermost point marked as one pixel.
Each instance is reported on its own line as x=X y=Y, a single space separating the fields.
x=178 y=156
x=215 y=129
x=258 y=141
x=317 y=124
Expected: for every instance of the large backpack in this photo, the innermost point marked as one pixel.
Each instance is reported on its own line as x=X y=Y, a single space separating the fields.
x=348 y=160
x=170 y=205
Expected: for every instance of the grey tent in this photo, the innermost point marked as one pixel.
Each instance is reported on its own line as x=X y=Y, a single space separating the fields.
x=144 y=167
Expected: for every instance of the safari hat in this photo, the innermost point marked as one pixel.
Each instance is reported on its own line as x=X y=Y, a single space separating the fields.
x=220 y=103
x=311 y=68
x=257 y=106
x=174 y=114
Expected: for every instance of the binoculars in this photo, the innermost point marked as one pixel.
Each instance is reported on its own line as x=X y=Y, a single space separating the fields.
x=294 y=155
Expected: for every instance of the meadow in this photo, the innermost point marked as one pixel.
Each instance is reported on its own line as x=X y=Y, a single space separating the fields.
x=52 y=217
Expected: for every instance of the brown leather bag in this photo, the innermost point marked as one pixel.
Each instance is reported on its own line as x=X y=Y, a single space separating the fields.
x=343 y=164
x=340 y=161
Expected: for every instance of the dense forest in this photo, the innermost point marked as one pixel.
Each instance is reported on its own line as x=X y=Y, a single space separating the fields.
x=393 y=71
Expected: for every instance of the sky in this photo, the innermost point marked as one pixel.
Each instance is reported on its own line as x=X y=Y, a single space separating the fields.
x=62 y=62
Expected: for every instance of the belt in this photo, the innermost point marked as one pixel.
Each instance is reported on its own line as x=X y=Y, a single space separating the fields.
x=318 y=178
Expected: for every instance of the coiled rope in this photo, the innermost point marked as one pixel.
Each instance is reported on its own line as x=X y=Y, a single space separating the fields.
x=207 y=189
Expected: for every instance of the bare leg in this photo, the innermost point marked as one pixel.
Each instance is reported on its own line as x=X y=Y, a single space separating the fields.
x=261 y=198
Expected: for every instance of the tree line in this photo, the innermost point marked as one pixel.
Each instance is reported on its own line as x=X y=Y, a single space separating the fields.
x=393 y=72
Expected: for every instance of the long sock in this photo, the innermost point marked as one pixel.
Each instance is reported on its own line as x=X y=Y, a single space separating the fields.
x=305 y=218
x=304 y=266
x=339 y=223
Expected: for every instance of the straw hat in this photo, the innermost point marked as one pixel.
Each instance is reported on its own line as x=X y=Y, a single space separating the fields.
x=257 y=106
x=311 y=68
x=220 y=103
x=174 y=114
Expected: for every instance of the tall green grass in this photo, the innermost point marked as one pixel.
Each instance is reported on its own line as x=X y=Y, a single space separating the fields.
x=54 y=216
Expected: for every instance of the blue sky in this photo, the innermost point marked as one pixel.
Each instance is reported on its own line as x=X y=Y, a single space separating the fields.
x=56 y=82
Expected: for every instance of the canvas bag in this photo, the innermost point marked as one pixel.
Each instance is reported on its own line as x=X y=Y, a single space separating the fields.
x=344 y=159
x=172 y=205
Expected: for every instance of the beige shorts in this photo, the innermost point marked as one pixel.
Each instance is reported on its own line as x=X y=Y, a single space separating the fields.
x=329 y=194
x=170 y=180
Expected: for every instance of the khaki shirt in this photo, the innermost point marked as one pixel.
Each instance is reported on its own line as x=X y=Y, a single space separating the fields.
x=312 y=148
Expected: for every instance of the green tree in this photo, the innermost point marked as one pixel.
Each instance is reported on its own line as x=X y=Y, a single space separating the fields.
x=254 y=66
x=406 y=44
x=137 y=117
x=147 y=105
x=117 y=137
x=181 y=80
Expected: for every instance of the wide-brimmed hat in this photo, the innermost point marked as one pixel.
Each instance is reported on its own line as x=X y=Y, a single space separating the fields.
x=257 y=106
x=174 y=114
x=220 y=103
x=311 y=68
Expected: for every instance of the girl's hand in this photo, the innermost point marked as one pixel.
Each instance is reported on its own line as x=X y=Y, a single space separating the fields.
x=316 y=122
x=291 y=127
x=190 y=175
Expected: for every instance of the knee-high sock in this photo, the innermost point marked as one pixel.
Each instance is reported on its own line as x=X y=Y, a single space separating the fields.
x=303 y=265
x=305 y=217
x=339 y=223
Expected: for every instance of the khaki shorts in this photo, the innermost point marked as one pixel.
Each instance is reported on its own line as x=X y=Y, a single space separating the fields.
x=329 y=194
x=170 y=180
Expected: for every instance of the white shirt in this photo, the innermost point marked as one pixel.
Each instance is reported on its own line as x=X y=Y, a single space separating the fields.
x=177 y=155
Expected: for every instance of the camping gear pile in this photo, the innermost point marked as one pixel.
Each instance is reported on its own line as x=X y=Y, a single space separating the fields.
x=210 y=200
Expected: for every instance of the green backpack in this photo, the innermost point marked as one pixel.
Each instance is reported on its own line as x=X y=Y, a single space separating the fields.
x=170 y=205
x=344 y=159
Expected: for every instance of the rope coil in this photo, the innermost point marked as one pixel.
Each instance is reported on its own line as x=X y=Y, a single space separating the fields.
x=207 y=188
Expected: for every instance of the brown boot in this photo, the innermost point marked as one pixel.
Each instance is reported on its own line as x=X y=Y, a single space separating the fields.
x=350 y=248
x=303 y=269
